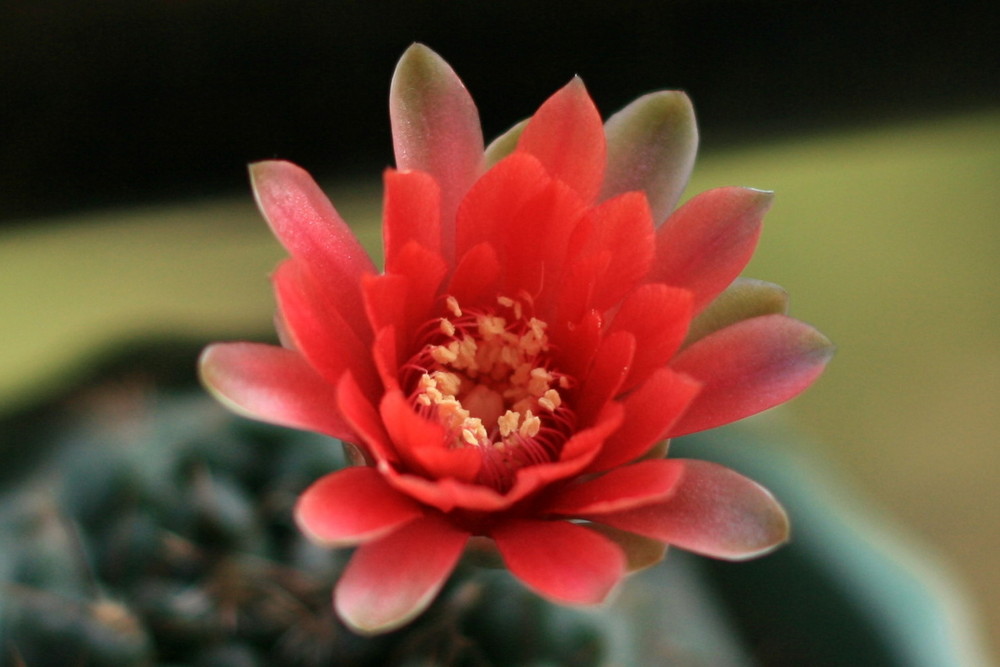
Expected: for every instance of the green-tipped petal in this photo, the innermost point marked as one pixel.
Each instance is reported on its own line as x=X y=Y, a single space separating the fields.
x=640 y=552
x=744 y=299
x=505 y=144
x=435 y=128
x=651 y=147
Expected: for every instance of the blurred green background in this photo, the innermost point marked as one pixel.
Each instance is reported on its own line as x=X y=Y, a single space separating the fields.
x=125 y=215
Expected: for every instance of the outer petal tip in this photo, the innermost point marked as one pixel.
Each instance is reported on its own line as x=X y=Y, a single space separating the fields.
x=422 y=71
x=714 y=512
x=652 y=144
x=264 y=172
x=271 y=384
x=212 y=374
x=739 y=518
x=762 y=199
x=435 y=128
x=390 y=581
x=749 y=367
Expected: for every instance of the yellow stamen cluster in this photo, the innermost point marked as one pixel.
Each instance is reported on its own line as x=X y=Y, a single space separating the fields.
x=489 y=385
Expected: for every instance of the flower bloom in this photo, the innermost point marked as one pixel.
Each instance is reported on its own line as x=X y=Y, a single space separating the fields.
x=544 y=319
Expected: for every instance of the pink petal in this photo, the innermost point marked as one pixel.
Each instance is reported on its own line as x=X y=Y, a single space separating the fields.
x=272 y=384
x=566 y=135
x=657 y=316
x=353 y=506
x=435 y=128
x=748 y=367
x=311 y=230
x=559 y=560
x=705 y=244
x=650 y=412
x=713 y=511
x=411 y=212
x=392 y=580
x=631 y=486
x=318 y=331
x=651 y=147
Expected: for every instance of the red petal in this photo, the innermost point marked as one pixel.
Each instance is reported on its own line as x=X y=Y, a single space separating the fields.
x=446 y=494
x=584 y=445
x=705 y=244
x=411 y=212
x=650 y=411
x=748 y=367
x=609 y=370
x=364 y=420
x=385 y=300
x=425 y=271
x=527 y=217
x=390 y=581
x=404 y=300
x=576 y=454
x=272 y=384
x=352 y=506
x=489 y=203
x=576 y=343
x=312 y=231
x=318 y=331
x=621 y=489
x=713 y=511
x=567 y=136
x=385 y=353
x=423 y=443
x=651 y=147
x=476 y=278
x=658 y=317
x=560 y=560
x=611 y=250
x=435 y=128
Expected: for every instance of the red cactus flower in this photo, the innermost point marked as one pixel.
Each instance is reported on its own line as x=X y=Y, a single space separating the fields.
x=533 y=336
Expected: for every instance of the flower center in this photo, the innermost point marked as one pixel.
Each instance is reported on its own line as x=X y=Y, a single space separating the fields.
x=486 y=376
